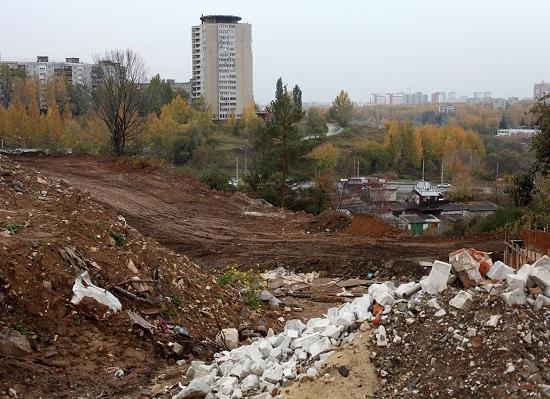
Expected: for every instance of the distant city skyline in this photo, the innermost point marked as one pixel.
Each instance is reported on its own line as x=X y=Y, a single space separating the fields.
x=323 y=46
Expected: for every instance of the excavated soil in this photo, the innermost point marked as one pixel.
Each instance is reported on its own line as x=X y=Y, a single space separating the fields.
x=216 y=229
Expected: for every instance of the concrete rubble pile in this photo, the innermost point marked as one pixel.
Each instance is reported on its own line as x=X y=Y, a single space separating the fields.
x=269 y=363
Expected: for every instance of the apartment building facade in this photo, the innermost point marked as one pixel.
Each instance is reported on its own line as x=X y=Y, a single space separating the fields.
x=540 y=89
x=222 y=64
x=43 y=70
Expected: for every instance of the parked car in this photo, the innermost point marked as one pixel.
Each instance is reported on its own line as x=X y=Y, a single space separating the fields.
x=444 y=185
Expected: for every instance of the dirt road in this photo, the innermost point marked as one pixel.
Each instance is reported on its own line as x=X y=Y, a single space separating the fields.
x=217 y=229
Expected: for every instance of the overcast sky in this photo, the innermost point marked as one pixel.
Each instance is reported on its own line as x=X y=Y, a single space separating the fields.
x=362 y=46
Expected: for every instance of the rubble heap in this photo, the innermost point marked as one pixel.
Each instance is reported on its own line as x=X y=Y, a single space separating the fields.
x=83 y=295
x=423 y=331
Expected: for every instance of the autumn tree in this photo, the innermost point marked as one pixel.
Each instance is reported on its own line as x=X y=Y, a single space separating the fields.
x=117 y=99
x=341 y=111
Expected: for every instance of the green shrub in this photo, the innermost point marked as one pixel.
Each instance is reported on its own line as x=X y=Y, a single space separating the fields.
x=500 y=220
x=216 y=179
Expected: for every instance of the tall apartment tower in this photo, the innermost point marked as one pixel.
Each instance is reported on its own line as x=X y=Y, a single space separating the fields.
x=222 y=64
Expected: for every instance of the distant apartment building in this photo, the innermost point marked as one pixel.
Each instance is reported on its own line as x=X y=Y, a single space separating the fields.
x=439 y=97
x=541 y=89
x=487 y=95
x=43 y=70
x=395 y=98
x=185 y=86
x=416 y=98
x=378 y=99
x=222 y=64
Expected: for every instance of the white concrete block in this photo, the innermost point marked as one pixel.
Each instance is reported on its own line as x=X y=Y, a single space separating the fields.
x=541 y=276
x=273 y=374
x=332 y=331
x=264 y=347
x=463 y=300
x=250 y=383
x=515 y=297
x=362 y=306
x=499 y=271
x=436 y=281
x=316 y=324
x=294 y=328
x=320 y=346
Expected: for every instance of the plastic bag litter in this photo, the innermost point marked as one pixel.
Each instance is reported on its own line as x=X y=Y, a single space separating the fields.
x=83 y=287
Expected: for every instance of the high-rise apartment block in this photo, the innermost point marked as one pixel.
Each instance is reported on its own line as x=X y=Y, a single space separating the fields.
x=222 y=64
x=540 y=89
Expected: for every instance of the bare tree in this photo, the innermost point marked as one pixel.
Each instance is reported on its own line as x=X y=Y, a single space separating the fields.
x=116 y=95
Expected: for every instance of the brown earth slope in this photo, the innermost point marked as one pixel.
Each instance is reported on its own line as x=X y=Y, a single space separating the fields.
x=216 y=229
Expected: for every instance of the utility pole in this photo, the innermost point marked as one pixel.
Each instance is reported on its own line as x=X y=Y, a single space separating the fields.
x=237 y=163
x=441 y=170
x=422 y=167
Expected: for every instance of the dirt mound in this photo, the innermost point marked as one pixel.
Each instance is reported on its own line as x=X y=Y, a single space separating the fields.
x=369 y=226
x=328 y=221
x=50 y=232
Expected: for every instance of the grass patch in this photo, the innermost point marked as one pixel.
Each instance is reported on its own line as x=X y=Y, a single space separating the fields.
x=22 y=329
x=13 y=228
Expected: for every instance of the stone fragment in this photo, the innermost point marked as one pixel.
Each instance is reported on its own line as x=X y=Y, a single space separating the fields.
x=432 y=303
x=381 y=337
x=436 y=281
x=542 y=301
x=344 y=371
x=519 y=279
x=493 y=321
x=311 y=372
x=13 y=343
x=463 y=300
x=515 y=297
x=228 y=337
x=440 y=313
x=332 y=331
